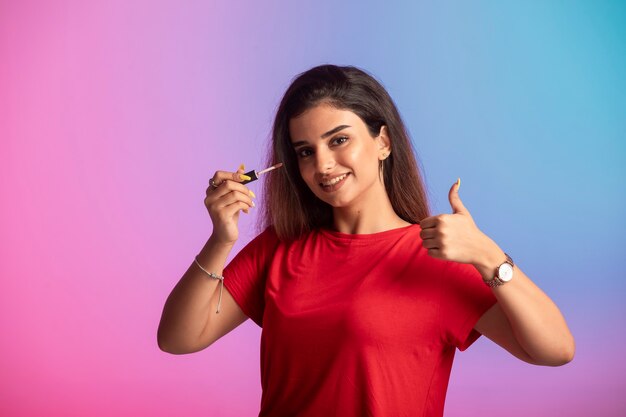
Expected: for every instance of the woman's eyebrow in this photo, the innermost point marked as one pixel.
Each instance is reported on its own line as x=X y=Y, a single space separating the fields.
x=333 y=131
x=325 y=135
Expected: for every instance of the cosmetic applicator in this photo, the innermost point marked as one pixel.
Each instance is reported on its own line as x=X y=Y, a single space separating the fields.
x=254 y=175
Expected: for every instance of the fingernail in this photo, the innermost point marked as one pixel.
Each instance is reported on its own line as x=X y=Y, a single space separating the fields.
x=252 y=194
x=245 y=177
x=458 y=184
x=242 y=167
x=253 y=205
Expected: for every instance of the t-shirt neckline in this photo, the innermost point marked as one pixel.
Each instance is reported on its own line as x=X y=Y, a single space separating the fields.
x=386 y=234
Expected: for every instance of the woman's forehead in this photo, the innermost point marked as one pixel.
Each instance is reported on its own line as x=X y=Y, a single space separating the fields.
x=318 y=122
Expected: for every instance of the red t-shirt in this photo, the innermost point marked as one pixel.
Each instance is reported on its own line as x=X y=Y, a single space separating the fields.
x=356 y=325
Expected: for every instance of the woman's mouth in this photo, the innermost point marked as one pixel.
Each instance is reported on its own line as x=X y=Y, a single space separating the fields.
x=335 y=183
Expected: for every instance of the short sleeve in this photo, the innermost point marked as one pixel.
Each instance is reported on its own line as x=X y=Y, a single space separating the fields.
x=245 y=275
x=465 y=298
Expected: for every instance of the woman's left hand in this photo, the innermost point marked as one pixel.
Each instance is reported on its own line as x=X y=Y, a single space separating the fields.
x=455 y=237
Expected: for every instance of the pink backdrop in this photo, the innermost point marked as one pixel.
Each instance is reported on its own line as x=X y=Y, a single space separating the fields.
x=113 y=115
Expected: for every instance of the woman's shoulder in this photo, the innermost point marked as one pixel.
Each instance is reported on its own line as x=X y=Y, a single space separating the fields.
x=267 y=235
x=261 y=241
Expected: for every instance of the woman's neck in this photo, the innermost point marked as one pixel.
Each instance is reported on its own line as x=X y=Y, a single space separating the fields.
x=373 y=216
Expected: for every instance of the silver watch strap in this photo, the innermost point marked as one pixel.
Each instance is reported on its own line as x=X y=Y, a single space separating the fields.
x=496 y=281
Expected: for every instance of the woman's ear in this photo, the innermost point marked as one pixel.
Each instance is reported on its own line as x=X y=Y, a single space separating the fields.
x=384 y=143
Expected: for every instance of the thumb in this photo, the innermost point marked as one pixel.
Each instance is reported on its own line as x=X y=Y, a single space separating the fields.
x=241 y=169
x=455 y=200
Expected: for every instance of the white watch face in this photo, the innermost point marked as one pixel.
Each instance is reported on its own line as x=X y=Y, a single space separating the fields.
x=505 y=272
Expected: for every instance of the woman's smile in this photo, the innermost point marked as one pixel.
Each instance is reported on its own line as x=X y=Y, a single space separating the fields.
x=335 y=183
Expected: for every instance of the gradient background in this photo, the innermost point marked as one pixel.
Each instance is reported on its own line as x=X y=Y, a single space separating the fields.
x=114 y=115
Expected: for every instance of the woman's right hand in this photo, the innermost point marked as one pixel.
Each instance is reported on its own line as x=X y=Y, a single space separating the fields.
x=224 y=201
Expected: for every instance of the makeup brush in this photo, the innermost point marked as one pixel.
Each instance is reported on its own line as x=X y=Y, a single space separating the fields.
x=254 y=175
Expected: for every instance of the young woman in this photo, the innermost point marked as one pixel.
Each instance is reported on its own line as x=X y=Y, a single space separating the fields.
x=362 y=295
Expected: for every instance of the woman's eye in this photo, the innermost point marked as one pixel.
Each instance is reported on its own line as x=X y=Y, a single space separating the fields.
x=340 y=140
x=304 y=153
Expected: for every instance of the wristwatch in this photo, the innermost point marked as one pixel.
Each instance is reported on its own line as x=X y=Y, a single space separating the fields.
x=504 y=273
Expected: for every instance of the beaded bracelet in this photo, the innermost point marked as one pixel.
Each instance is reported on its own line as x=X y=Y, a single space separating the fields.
x=214 y=276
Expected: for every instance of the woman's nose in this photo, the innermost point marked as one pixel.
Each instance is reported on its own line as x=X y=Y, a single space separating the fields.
x=325 y=161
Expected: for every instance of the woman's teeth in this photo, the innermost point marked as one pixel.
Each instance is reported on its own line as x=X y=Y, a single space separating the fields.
x=334 y=180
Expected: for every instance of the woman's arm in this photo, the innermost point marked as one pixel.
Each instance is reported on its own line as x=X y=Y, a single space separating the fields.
x=190 y=321
x=525 y=321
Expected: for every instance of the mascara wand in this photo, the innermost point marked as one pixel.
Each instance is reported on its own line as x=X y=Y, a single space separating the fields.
x=254 y=175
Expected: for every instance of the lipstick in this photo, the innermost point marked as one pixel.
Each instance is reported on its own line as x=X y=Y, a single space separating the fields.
x=254 y=175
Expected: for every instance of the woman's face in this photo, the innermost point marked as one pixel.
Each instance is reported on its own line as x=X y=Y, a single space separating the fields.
x=337 y=156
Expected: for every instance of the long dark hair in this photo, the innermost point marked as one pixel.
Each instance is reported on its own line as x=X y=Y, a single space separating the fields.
x=289 y=205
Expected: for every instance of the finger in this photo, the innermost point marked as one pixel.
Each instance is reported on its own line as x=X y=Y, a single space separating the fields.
x=435 y=253
x=428 y=233
x=455 y=199
x=220 y=176
x=227 y=187
x=429 y=222
x=431 y=244
x=216 y=206
x=232 y=209
x=234 y=196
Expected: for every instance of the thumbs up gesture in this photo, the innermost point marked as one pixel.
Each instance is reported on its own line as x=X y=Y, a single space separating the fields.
x=454 y=237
